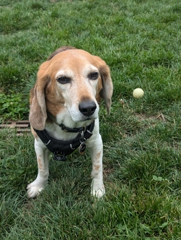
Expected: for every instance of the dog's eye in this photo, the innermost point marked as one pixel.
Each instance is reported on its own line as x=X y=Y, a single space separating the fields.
x=63 y=79
x=93 y=75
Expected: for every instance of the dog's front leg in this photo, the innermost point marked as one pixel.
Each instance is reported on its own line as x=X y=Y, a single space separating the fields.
x=40 y=182
x=96 y=150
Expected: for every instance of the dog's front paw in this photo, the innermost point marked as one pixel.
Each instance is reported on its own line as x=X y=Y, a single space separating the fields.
x=98 y=193
x=97 y=189
x=34 y=189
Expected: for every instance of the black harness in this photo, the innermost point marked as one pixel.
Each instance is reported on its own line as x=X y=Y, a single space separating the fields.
x=61 y=148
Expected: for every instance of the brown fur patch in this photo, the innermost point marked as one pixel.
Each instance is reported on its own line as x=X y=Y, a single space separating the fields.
x=98 y=90
x=54 y=99
x=96 y=167
x=40 y=165
x=34 y=133
x=106 y=90
x=98 y=155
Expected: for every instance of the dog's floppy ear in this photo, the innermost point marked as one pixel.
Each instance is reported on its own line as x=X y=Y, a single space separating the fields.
x=107 y=87
x=38 y=113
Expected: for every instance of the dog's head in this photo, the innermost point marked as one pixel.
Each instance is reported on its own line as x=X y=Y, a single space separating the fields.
x=70 y=79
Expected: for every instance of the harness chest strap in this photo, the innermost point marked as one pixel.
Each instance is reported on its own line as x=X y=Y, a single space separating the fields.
x=61 y=148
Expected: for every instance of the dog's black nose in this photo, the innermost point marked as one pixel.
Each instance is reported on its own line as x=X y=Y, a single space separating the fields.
x=87 y=108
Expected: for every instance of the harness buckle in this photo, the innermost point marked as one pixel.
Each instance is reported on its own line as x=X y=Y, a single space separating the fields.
x=82 y=148
x=59 y=156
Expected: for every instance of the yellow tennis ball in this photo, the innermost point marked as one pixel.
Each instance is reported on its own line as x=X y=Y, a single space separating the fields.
x=138 y=93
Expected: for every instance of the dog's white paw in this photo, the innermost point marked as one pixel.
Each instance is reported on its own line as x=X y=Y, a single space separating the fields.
x=99 y=193
x=34 y=189
x=97 y=189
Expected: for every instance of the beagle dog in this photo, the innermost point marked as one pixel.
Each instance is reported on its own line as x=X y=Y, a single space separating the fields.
x=64 y=112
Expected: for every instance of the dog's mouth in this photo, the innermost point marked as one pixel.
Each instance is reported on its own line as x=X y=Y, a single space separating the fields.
x=88 y=119
x=84 y=118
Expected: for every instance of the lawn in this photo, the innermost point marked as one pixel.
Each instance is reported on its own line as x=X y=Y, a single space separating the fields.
x=141 y=42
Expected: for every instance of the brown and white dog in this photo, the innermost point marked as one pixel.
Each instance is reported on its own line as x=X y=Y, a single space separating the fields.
x=67 y=91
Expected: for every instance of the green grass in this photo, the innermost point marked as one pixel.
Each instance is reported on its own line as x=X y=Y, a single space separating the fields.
x=141 y=42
